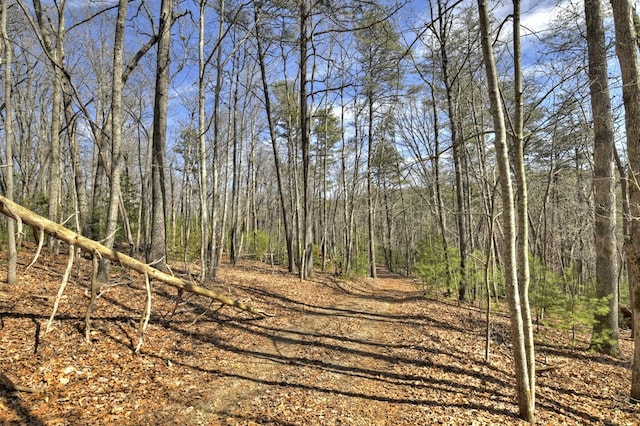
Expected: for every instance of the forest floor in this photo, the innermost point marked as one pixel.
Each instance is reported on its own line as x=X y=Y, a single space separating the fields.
x=366 y=352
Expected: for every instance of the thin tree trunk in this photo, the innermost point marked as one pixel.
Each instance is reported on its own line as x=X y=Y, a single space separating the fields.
x=56 y=54
x=202 y=151
x=216 y=246
x=442 y=218
x=370 y=199
x=522 y=205
x=458 y=152
x=525 y=392
x=12 y=257
x=306 y=261
x=274 y=146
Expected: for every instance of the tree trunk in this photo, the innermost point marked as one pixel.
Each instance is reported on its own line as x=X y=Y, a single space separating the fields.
x=525 y=392
x=158 y=251
x=274 y=145
x=202 y=149
x=522 y=225
x=370 y=197
x=458 y=152
x=56 y=54
x=604 y=338
x=12 y=257
x=116 y=138
x=306 y=261
x=627 y=52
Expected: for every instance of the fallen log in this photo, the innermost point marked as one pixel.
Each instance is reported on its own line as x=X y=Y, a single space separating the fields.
x=18 y=212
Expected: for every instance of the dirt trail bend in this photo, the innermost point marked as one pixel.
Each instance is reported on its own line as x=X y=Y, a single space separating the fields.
x=341 y=353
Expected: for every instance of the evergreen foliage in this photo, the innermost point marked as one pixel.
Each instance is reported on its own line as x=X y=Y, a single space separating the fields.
x=559 y=300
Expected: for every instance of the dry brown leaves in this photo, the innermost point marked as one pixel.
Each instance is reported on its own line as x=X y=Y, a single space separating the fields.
x=363 y=353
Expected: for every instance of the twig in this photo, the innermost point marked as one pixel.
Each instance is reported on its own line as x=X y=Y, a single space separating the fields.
x=39 y=249
x=144 y=320
x=63 y=285
x=92 y=302
x=551 y=367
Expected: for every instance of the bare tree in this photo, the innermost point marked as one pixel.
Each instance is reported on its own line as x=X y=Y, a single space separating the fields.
x=116 y=135
x=524 y=367
x=52 y=38
x=273 y=138
x=158 y=249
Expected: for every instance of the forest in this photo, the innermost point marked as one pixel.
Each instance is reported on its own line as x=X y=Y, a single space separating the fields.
x=484 y=151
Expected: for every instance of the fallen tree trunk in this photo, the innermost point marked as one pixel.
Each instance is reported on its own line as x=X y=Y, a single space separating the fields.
x=18 y=212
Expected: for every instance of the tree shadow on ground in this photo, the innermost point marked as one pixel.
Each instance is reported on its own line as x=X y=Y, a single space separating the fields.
x=14 y=403
x=349 y=356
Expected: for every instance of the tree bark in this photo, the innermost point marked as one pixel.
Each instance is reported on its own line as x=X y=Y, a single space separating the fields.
x=604 y=338
x=522 y=225
x=202 y=149
x=56 y=54
x=457 y=148
x=274 y=144
x=525 y=392
x=627 y=52
x=12 y=257
x=306 y=261
x=371 y=214
x=116 y=137
x=158 y=249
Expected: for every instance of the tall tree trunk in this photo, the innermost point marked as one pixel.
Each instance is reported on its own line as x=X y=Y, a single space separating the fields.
x=274 y=144
x=202 y=150
x=370 y=195
x=12 y=257
x=158 y=250
x=604 y=338
x=522 y=224
x=306 y=261
x=458 y=152
x=56 y=55
x=525 y=392
x=216 y=246
x=627 y=52
x=116 y=138
x=442 y=218
x=236 y=166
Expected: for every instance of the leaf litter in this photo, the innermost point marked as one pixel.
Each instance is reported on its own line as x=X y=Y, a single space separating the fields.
x=364 y=352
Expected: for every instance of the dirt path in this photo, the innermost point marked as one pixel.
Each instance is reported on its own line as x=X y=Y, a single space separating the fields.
x=370 y=352
x=330 y=363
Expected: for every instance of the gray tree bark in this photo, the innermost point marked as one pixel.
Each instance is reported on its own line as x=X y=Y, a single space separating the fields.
x=116 y=137
x=157 y=253
x=627 y=53
x=523 y=365
x=604 y=338
x=12 y=257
